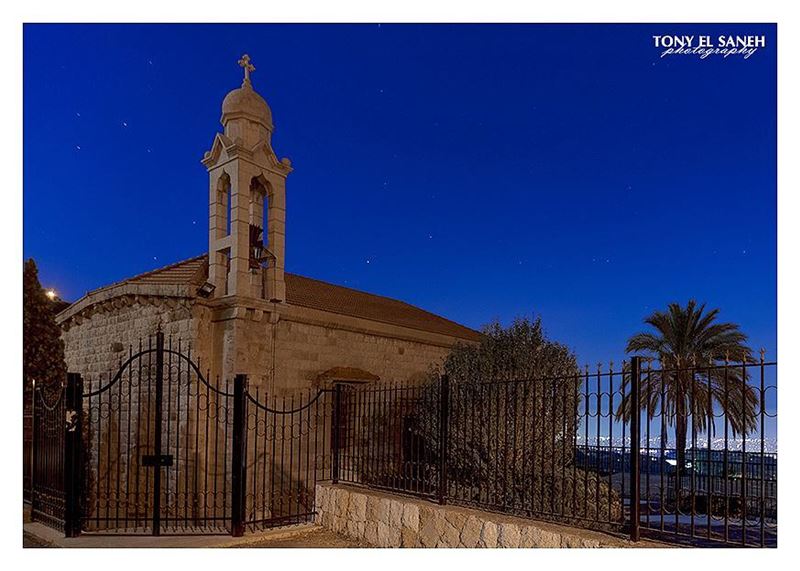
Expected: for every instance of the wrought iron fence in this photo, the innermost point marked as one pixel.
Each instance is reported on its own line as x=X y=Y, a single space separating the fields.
x=720 y=486
x=682 y=454
x=288 y=449
x=27 y=442
x=576 y=449
x=48 y=483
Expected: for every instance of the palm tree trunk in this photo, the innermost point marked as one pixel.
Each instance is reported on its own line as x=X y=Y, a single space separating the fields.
x=681 y=422
x=680 y=442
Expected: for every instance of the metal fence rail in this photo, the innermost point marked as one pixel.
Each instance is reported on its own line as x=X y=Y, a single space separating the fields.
x=576 y=449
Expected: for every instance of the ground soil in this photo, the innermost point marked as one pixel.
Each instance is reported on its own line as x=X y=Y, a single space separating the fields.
x=317 y=537
x=303 y=538
x=30 y=540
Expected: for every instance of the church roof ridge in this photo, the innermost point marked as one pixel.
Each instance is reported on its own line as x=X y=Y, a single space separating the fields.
x=318 y=294
x=144 y=276
x=293 y=299
x=201 y=257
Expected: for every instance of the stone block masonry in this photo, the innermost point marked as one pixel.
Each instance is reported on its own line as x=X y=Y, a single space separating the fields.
x=388 y=520
x=304 y=349
x=280 y=353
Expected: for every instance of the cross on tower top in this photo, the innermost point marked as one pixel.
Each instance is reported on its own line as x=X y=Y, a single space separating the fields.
x=248 y=67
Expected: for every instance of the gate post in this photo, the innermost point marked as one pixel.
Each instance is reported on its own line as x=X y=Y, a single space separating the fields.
x=239 y=456
x=336 y=422
x=72 y=455
x=157 y=431
x=635 y=436
x=444 y=422
x=33 y=443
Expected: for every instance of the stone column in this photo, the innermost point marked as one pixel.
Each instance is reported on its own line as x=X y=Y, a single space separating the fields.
x=239 y=275
x=219 y=183
x=276 y=233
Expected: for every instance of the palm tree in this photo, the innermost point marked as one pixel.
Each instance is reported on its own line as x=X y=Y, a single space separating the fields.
x=694 y=352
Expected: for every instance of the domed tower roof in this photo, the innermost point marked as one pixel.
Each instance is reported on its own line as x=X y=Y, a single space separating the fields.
x=245 y=102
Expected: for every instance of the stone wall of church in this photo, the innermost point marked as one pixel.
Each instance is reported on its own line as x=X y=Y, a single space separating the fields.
x=120 y=422
x=96 y=344
x=289 y=352
x=280 y=351
x=303 y=351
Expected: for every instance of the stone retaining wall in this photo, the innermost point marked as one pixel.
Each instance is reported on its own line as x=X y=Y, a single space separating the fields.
x=388 y=520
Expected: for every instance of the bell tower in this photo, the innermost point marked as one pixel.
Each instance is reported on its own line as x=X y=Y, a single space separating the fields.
x=247 y=199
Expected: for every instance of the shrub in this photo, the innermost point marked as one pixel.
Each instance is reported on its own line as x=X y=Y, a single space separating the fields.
x=514 y=402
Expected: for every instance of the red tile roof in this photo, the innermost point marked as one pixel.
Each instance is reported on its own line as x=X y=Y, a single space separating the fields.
x=193 y=270
x=315 y=294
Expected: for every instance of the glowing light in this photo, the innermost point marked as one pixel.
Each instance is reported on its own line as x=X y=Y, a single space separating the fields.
x=51 y=294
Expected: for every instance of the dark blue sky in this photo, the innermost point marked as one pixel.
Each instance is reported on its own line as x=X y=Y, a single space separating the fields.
x=476 y=171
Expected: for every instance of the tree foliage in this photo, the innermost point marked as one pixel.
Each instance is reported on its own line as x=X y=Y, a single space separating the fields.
x=513 y=416
x=43 y=348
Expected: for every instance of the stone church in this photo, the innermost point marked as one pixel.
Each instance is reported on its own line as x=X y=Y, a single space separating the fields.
x=237 y=307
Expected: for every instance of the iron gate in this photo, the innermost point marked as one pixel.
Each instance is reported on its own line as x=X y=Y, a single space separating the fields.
x=287 y=449
x=159 y=448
